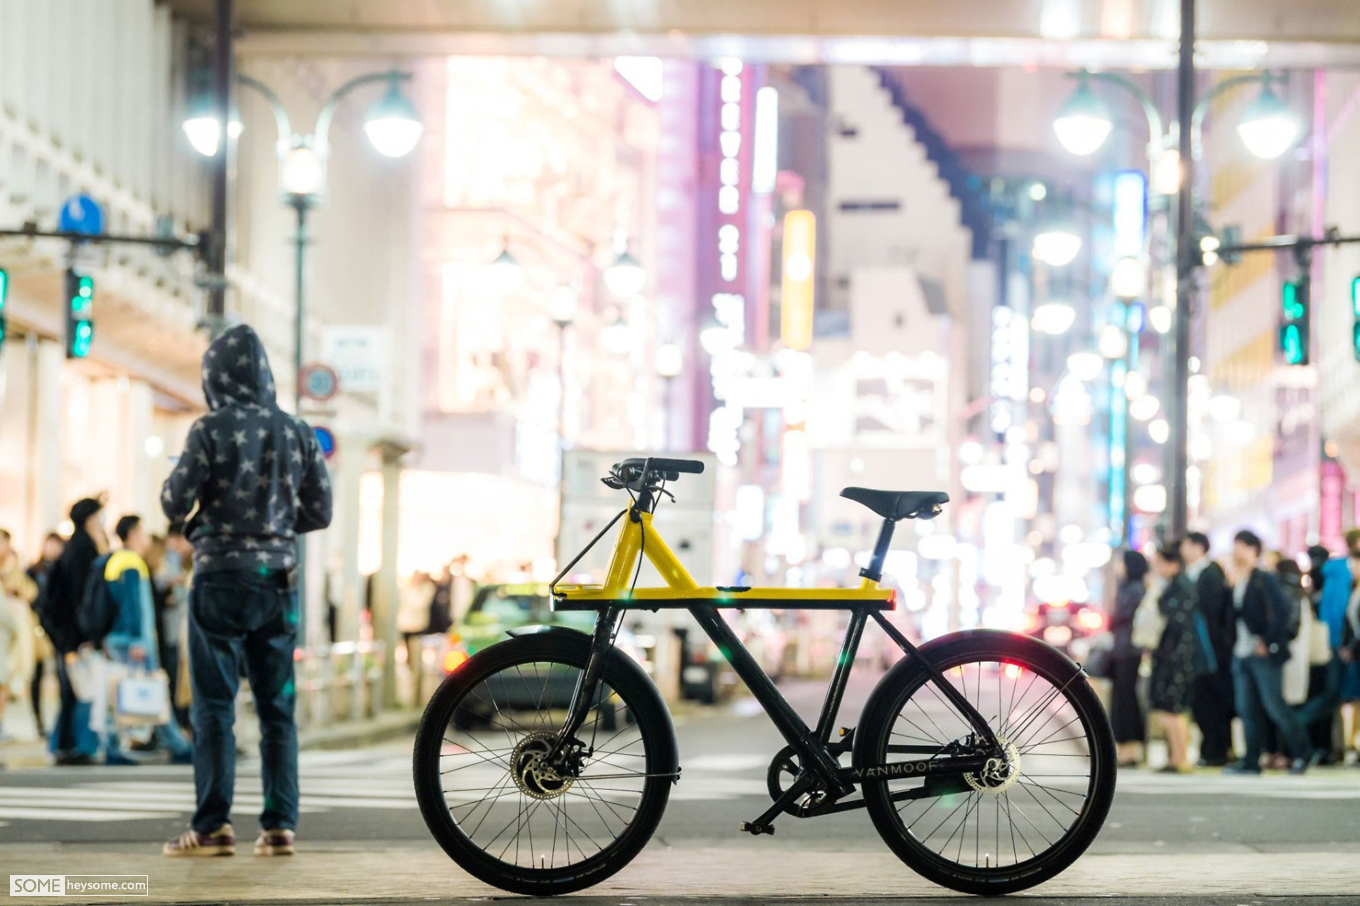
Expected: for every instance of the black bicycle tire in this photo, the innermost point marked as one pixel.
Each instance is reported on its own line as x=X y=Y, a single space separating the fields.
x=907 y=678
x=571 y=649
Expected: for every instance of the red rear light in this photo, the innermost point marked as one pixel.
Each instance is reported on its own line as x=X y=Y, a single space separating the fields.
x=1012 y=671
x=1092 y=620
x=454 y=658
x=892 y=599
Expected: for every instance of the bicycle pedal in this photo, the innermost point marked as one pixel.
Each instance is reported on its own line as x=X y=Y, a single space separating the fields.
x=755 y=829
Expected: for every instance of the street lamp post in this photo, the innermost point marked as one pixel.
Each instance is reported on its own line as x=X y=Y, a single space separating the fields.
x=670 y=361
x=563 y=315
x=1185 y=276
x=393 y=129
x=1266 y=128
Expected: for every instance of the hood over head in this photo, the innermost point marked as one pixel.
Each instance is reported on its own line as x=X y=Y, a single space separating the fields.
x=236 y=370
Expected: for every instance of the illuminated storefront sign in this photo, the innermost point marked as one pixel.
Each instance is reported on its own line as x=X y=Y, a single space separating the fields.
x=1130 y=213
x=727 y=282
x=796 y=299
x=1009 y=366
x=765 y=166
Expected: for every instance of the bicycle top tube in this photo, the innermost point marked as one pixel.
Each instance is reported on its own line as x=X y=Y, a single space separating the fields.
x=638 y=537
x=595 y=597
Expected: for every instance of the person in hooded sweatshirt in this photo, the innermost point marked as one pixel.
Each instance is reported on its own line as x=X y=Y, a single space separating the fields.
x=250 y=480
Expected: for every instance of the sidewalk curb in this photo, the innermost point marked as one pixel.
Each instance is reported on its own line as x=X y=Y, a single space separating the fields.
x=383 y=728
x=371 y=731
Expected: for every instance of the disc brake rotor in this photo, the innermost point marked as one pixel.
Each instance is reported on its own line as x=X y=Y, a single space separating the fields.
x=999 y=774
x=532 y=775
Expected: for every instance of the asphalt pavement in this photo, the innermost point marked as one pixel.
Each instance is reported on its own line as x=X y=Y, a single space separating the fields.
x=1207 y=837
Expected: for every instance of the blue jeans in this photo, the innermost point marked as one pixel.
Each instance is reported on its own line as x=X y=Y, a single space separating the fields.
x=243 y=618
x=1258 y=683
x=71 y=734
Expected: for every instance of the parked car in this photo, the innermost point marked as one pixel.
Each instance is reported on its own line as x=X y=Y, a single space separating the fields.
x=705 y=675
x=495 y=610
x=1067 y=626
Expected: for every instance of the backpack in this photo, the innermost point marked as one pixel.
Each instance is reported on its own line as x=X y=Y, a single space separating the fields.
x=97 y=611
x=54 y=615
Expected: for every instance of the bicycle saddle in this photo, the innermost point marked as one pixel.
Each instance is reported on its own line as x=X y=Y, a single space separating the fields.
x=896 y=505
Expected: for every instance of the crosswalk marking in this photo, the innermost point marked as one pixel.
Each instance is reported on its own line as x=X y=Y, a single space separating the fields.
x=336 y=781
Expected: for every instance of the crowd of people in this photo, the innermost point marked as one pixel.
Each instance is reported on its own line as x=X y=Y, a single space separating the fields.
x=1257 y=637
x=145 y=584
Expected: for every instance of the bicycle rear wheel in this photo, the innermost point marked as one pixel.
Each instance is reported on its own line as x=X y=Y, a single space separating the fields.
x=499 y=809
x=1033 y=813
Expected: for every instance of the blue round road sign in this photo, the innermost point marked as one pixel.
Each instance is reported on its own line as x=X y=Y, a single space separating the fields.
x=325 y=438
x=81 y=214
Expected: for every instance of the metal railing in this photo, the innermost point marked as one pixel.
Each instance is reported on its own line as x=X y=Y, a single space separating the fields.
x=335 y=683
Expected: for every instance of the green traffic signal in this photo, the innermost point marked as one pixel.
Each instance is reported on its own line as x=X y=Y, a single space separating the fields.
x=1355 y=310
x=79 y=315
x=1294 y=299
x=4 y=294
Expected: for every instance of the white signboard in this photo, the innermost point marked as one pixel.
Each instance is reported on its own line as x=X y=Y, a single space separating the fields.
x=359 y=354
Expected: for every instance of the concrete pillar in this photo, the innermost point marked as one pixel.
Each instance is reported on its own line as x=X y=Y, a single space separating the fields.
x=46 y=451
x=100 y=455
x=385 y=591
x=15 y=421
x=351 y=458
x=142 y=498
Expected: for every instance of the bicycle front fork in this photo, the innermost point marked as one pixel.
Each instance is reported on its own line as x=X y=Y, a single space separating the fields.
x=588 y=684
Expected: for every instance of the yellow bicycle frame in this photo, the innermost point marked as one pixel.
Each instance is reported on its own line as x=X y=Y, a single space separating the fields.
x=639 y=537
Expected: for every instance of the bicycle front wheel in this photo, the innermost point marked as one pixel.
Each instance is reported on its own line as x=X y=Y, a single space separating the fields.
x=495 y=804
x=1031 y=814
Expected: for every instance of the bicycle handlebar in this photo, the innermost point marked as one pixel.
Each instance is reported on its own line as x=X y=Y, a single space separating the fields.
x=639 y=473
x=653 y=464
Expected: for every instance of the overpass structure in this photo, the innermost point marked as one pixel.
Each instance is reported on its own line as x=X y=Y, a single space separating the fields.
x=1137 y=34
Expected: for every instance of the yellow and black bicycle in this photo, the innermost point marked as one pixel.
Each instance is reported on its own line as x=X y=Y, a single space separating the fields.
x=544 y=763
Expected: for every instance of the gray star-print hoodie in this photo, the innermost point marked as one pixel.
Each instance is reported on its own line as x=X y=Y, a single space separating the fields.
x=251 y=478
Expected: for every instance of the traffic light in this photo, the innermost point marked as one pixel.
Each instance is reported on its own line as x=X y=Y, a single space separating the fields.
x=1355 y=310
x=4 y=294
x=1294 y=299
x=79 y=314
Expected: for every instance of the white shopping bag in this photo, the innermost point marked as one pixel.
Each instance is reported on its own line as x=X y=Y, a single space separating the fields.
x=142 y=700
x=87 y=672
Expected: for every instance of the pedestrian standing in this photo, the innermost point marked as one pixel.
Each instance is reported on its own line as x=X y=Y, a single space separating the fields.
x=17 y=592
x=1126 y=714
x=132 y=639
x=173 y=580
x=1260 y=649
x=1319 y=712
x=413 y=621
x=250 y=480
x=441 y=602
x=73 y=743
x=1350 y=643
x=1211 y=696
x=1173 y=660
x=38 y=571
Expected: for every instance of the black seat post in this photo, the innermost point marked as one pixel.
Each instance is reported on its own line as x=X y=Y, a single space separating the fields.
x=874 y=570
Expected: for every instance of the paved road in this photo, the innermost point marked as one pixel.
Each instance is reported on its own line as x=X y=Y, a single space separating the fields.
x=1203 y=834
